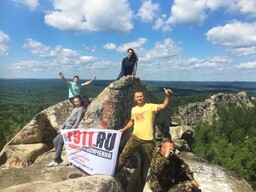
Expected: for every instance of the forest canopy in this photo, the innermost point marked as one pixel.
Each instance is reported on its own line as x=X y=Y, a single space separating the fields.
x=230 y=141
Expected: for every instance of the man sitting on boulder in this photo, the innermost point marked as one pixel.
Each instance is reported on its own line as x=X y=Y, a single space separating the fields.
x=169 y=173
x=72 y=122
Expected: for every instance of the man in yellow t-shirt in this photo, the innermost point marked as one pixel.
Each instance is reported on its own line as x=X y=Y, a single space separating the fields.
x=142 y=119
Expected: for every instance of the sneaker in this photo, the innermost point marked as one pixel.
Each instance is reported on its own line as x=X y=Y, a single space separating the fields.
x=53 y=164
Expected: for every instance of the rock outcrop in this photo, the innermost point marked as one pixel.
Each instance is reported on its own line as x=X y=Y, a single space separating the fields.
x=93 y=183
x=182 y=136
x=36 y=137
x=112 y=107
x=23 y=159
x=64 y=178
x=206 y=111
x=109 y=110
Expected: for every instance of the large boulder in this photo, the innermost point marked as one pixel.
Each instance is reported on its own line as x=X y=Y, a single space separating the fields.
x=63 y=178
x=111 y=109
x=36 y=137
x=182 y=136
x=97 y=183
x=162 y=123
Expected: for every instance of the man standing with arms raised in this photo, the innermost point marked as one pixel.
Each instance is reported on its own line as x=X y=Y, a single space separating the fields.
x=75 y=86
x=142 y=119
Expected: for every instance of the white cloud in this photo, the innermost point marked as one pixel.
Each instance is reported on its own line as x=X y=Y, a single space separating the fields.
x=37 y=48
x=166 y=58
x=31 y=4
x=159 y=23
x=245 y=7
x=4 y=43
x=109 y=46
x=213 y=63
x=248 y=65
x=91 y=15
x=31 y=69
x=165 y=50
x=29 y=65
x=188 y=11
x=138 y=44
x=237 y=37
x=196 y=12
x=50 y=68
x=85 y=59
x=103 y=65
x=148 y=11
x=91 y=48
x=60 y=54
x=229 y=5
x=182 y=12
x=51 y=60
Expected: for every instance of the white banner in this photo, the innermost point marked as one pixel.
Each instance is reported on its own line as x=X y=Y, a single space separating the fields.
x=93 y=150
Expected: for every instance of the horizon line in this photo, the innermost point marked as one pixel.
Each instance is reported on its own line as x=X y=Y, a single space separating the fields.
x=140 y=79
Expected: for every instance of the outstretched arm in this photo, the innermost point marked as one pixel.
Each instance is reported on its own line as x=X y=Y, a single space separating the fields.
x=88 y=82
x=62 y=77
x=128 y=126
x=166 y=101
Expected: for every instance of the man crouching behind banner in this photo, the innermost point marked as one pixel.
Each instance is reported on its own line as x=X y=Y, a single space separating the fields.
x=72 y=122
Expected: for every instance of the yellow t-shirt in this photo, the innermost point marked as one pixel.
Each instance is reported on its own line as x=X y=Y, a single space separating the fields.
x=144 y=120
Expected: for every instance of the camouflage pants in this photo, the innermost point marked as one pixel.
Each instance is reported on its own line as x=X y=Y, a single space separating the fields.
x=133 y=144
x=185 y=186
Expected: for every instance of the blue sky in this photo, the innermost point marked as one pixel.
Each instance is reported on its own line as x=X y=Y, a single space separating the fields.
x=180 y=40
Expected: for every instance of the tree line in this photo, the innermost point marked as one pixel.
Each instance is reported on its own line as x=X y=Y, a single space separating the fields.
x=230 y=141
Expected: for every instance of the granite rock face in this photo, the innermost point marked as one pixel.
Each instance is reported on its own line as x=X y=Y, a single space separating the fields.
x=84 y=184
x=206 y=111
x=36 y=137
x=111 y=109
x=37 y=177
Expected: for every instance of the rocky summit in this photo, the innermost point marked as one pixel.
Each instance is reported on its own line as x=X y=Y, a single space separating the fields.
x=24 y=158
x=206 y=111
